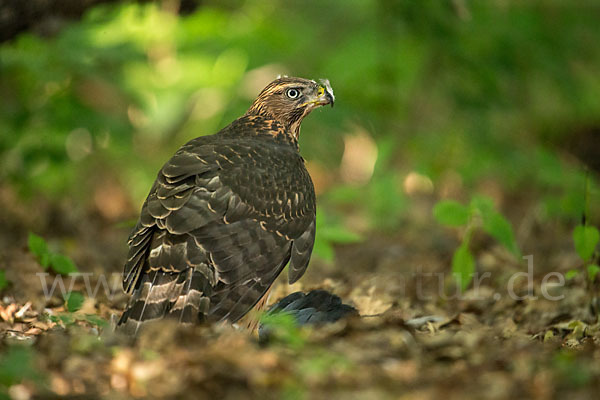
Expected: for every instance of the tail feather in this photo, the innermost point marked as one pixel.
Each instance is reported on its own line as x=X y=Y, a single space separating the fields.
x=192 y=303
x=181 y=295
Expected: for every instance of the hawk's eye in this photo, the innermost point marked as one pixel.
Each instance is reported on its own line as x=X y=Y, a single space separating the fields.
x=293 y=93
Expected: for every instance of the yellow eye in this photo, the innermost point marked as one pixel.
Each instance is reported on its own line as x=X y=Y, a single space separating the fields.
x=292 y=93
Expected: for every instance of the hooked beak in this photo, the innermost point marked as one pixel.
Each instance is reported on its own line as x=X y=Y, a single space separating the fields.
x=324 y=95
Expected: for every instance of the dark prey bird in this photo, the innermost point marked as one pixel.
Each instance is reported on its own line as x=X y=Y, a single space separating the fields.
x=226 y=214
x=312 y=308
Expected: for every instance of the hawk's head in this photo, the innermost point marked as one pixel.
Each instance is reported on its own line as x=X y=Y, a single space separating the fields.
x=288 y=100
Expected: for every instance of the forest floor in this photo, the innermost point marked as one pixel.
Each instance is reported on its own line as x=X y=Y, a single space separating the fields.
x=497 y=340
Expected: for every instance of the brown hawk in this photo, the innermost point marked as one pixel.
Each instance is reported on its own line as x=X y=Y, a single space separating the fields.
x=226 y=214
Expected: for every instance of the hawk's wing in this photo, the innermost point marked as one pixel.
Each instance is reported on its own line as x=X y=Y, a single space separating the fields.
x=220 y=223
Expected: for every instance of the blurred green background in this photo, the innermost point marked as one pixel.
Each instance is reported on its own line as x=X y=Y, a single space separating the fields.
x=435 y=99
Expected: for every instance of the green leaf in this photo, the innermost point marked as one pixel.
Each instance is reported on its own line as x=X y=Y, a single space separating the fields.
x=484 y=205
x=345 y=194
x=96 y=320
x=66 y=319
x=385 y=202
x=496 y=225
x=339 y=234
x=572 y=273
x=3 y=281
x=329 y=231
x=283 y=327
x=586 y=238
x=16 y=364
x=592 y=271
x=74 y=301
x=62 y=264
x=39 y=248
x=451 y=213
x=323 y=250
x=463 y=265
x=44 y=260
x=332 y=230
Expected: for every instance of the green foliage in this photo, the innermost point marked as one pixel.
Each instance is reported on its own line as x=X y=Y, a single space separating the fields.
x=586 y=239
x=58 y=263
x=465 y=97
x=592 y=271
x=571 y=274
x=90 y=102
x=380 y=200
x=312 y=363
x=454 y=214
x=293 y=391
x=329 y=232
x=63 y=319
x=69 y=319
x=571 y=369
x=117 y=92
x=480 y=213
x=385 y=201
x=324 y=250
x=283 y=328
x=62 y=264
x=74 y=301
x=451 y=213
x=95 y=320
x=498 y=226
x=17 y=365
x=3 y=280
x=495 y=224
x=129 y=83
x=39 y=248
x=322 y=364
x=463 y=265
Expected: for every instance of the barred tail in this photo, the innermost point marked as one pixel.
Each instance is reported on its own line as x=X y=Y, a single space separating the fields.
x=179 y=295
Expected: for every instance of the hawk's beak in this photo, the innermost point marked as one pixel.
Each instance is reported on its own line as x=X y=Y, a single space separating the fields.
x=324 y=95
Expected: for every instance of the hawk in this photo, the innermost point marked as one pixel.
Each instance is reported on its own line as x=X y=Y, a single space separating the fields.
x=226 y=214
